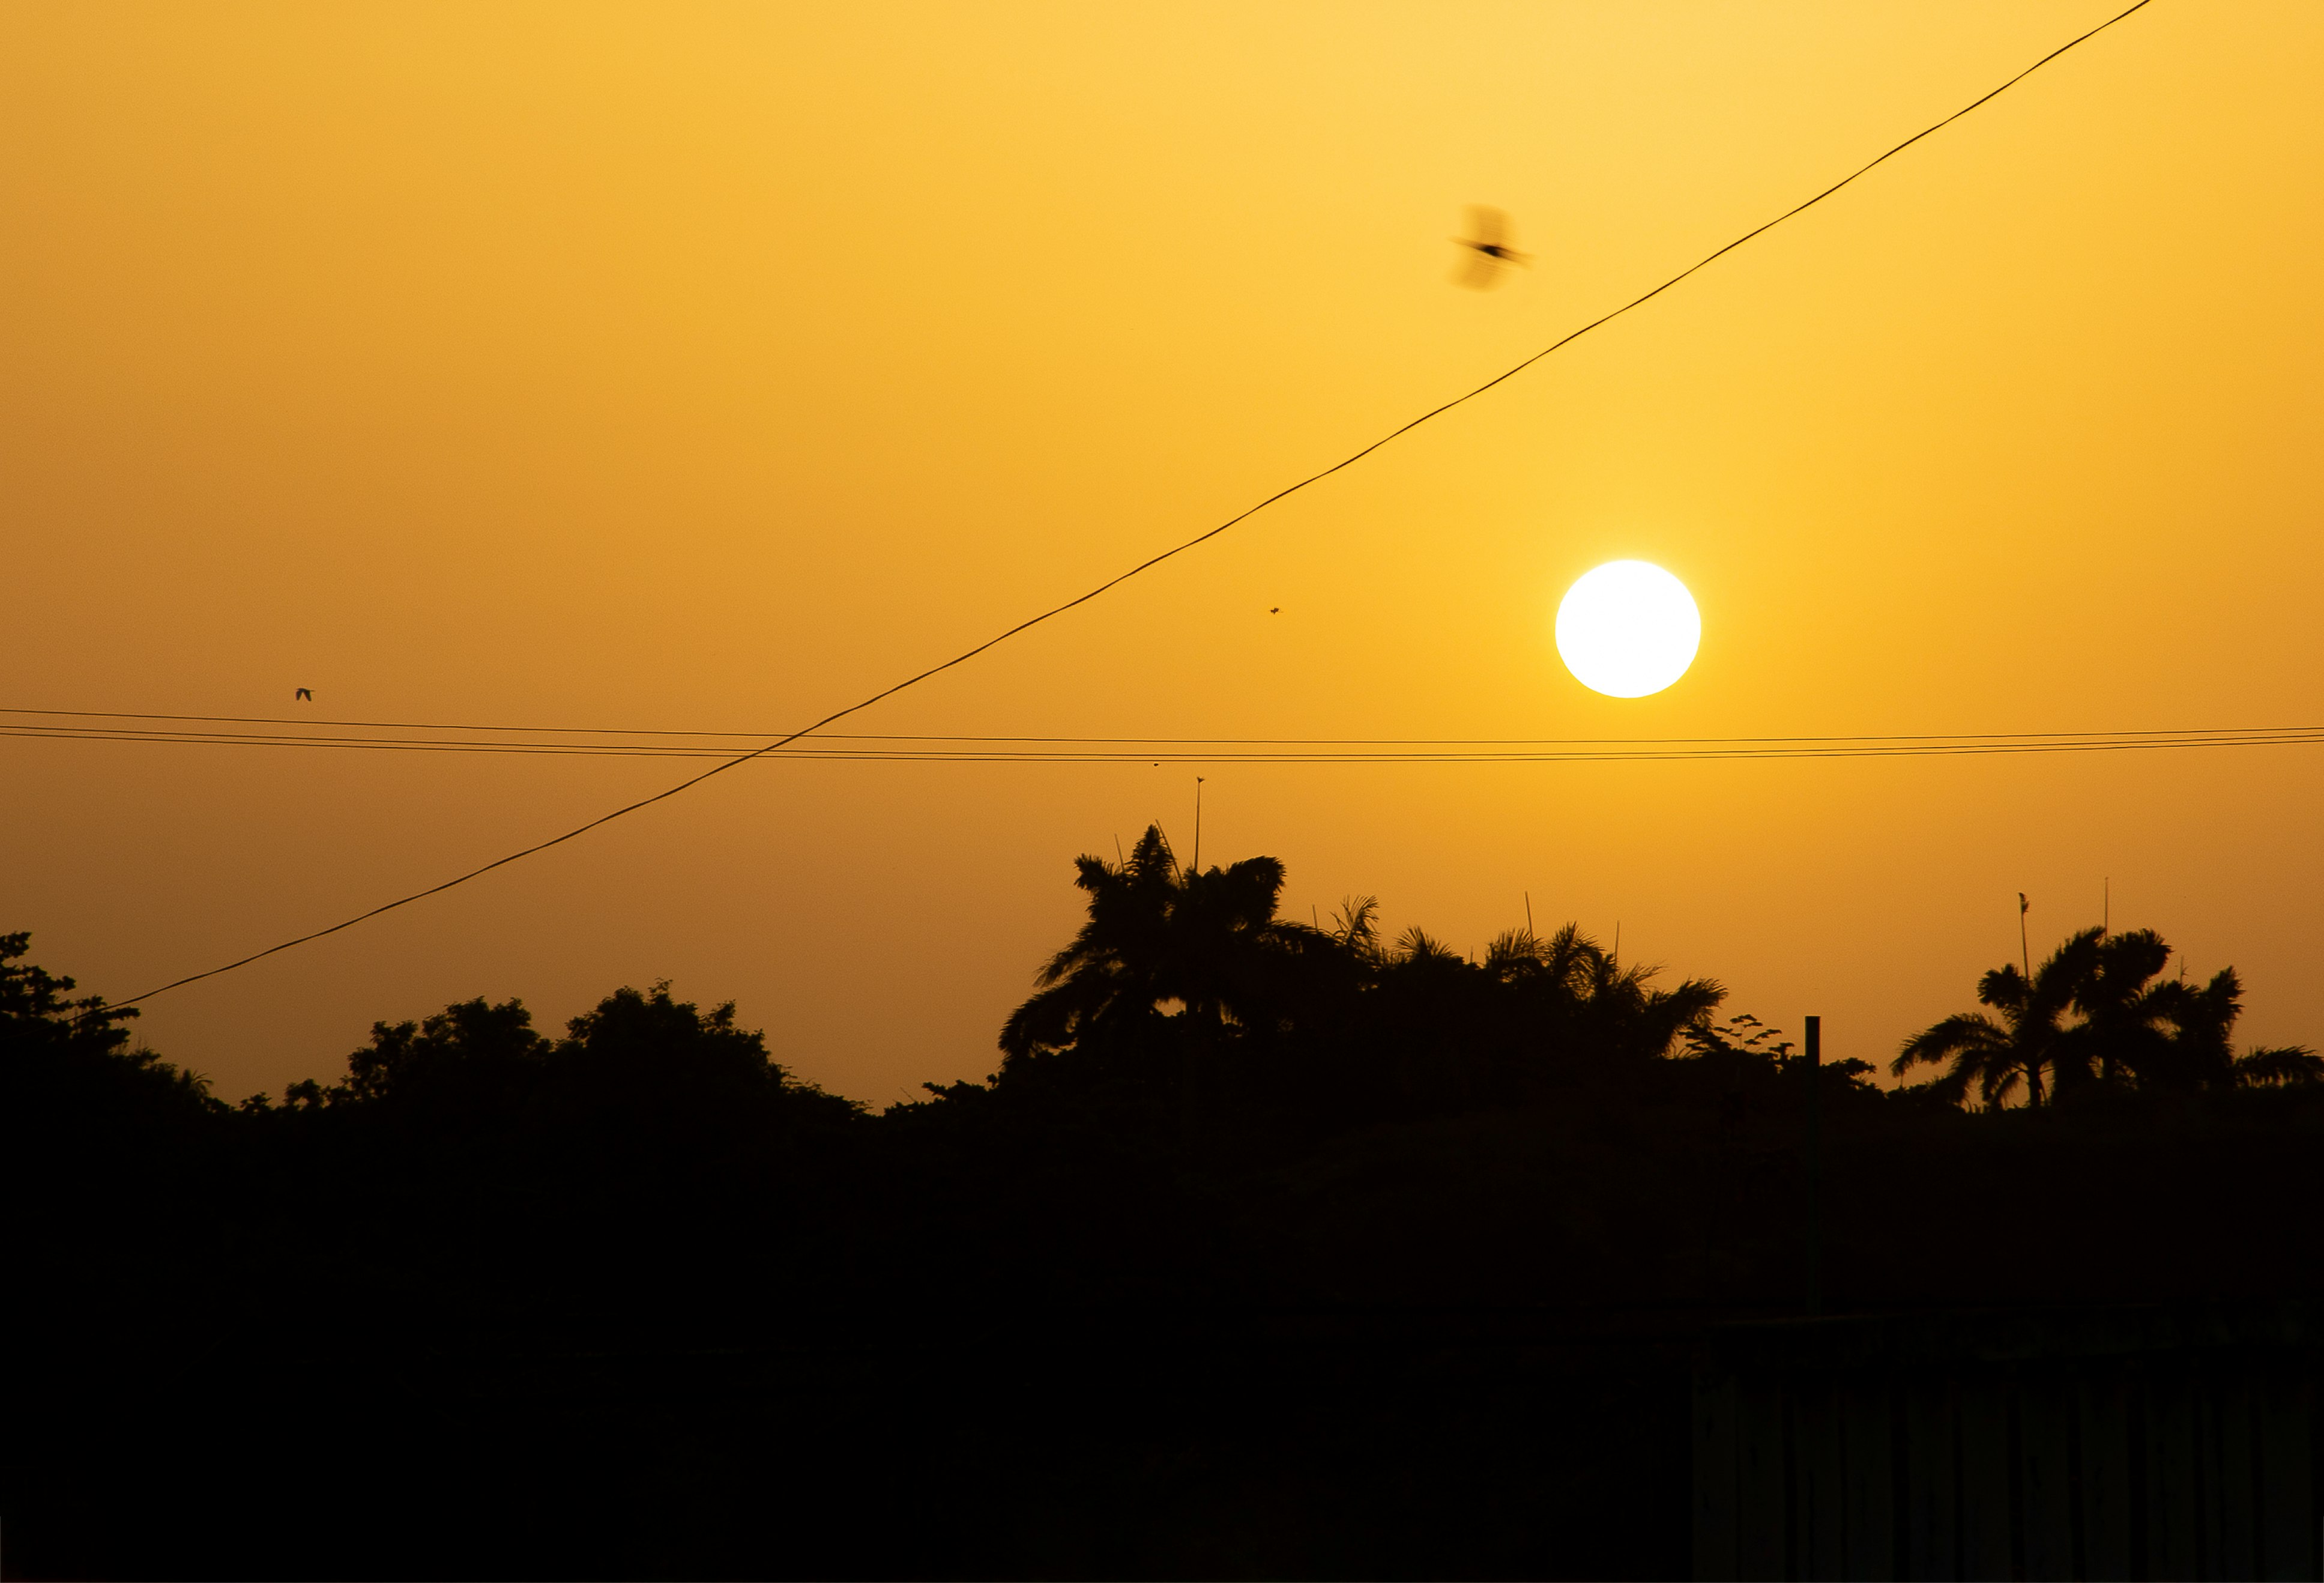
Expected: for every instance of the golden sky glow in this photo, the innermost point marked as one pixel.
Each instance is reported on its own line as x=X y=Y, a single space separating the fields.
x=711 y=366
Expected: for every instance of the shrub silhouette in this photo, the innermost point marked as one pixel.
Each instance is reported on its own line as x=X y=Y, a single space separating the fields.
x=69 y=1062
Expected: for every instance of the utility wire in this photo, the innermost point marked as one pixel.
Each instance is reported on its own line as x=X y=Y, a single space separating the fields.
x=1143 y=566
x=311 y=736
x=1026 y=749
x=1380 y=756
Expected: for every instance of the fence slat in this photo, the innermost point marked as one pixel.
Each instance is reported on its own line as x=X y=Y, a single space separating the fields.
x=1985 y=1479
x=2291 y=1527
x=1761 y=1500
x=1819 y=1484
x=1932 y=1526
x=2172 y=1551
x=2106 y=1480
x=2237 y=1555
x=1715 y=1479
x=1867 y=1479
x=2045 y=1478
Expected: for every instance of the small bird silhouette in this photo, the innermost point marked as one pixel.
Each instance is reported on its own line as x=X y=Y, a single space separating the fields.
x=306 y=694
x=1489 y=254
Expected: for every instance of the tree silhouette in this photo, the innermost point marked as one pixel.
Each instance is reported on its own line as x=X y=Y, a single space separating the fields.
x=1182 y=966
x=1614 y=1006
x=472 y=1064
x=1156 y=933
x=2131 y=1030
x=1997 y=1055
x=62 y=1057
x=2200 y=1051
x=2123 y=1009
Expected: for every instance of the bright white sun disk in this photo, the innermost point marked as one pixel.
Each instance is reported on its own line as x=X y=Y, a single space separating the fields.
x=1628 y=629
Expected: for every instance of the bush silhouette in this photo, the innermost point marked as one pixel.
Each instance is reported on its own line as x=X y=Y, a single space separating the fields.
x=69 y=1062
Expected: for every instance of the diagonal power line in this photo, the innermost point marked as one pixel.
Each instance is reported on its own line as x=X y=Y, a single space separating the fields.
x=1144 y=566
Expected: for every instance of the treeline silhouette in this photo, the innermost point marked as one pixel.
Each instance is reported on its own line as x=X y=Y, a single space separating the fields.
x=1268 y=1248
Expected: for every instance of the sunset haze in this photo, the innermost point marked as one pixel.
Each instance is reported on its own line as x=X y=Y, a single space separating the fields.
x=713 y=368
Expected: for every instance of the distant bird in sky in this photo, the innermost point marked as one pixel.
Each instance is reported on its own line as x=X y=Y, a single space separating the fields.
x=305 y=694
x=1489 y=254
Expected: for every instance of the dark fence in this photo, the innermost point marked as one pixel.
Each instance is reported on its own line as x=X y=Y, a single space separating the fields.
x=2141 y=1444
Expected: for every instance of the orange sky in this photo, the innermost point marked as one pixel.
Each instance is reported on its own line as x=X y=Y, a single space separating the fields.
x=714 y=366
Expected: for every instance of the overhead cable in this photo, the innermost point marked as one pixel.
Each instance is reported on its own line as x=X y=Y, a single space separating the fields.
x=598 y=742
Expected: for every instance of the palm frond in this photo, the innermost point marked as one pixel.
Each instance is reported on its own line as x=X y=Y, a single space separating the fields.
x=2003 y=988
x=1416 y=945
x=2280 y=1066
x=1514 y=952
x=1964 y=1033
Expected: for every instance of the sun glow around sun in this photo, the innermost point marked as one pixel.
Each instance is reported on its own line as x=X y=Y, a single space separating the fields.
x=1628 y=629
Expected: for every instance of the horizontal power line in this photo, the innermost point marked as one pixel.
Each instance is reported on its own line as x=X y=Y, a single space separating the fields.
x=312 y=734
x=1206 y=750
x=1151 y=563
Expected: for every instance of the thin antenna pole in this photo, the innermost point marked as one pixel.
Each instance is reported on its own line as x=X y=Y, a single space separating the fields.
x=1528 y=896
x=1617 y=939
x=1117 y=857
x=1198 y=824
x=2025 y=957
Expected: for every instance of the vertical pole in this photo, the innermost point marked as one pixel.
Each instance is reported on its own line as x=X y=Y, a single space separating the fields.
x=1815 y=1165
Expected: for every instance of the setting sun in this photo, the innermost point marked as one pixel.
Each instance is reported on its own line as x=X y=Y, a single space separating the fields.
x=1628 y=629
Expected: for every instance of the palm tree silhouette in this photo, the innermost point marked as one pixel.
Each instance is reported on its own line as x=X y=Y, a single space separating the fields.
x=2200 y=1051
x=2132 y=1029
x=1569 y=982
x=2022 y=1044
x=1200 y=956
x=1158 y=933
x=2123 y=1010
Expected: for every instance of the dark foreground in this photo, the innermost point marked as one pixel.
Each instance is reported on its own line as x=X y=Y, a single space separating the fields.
x=1462 y=1346
x=1428 y=1269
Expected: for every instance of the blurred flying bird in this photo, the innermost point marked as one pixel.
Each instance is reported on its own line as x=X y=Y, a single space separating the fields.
x=305 y=693
x=1488 y=253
